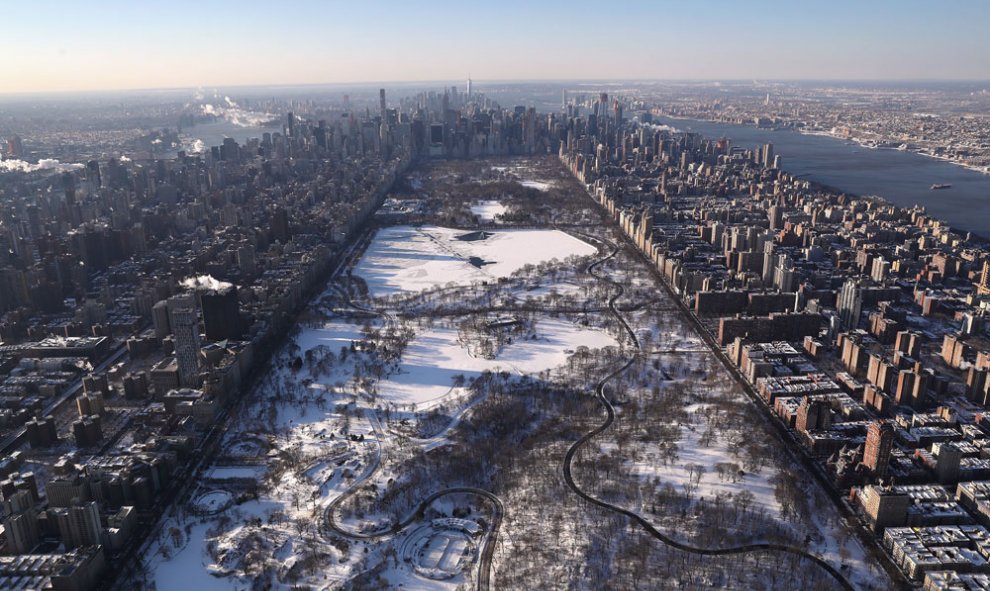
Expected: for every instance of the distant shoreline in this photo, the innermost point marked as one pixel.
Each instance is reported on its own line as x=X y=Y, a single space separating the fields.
x=975 y=236
x=858 y=141
x=865 y=144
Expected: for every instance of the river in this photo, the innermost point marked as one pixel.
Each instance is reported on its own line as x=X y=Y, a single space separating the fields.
x=903 y=178
x=213 y=134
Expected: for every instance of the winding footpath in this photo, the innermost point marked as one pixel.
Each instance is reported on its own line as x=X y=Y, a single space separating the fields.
x=485 y=561
x=644 y=523
x=330 y=524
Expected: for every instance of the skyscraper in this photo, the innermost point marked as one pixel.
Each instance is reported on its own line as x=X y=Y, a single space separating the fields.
x=769 y=262
x=93 y=174
x=79 y=525
x=469 y=87
x=947 y=463
x=159 y=318
x=812 y=415
x=784 y=276
x=776 y=215
x=983 y=287
x=850 y=304
x=186 y=330
x=280 y=225
x=768 y=155
x=69 y=188
x=22 y=533
x=879 y=443
x=381 y=99
x=15 y=147
x=221 y=314
x=21 y=526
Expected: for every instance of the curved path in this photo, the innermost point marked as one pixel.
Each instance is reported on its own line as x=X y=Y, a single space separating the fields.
x=329 y=514
x=484 y=563
x=650 y=529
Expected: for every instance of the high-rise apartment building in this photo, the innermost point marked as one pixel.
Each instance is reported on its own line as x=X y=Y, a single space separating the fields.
x=983 y=287
x=21 y=525
x=850 y=304
x=879 y=444
x=221 y=314
x=185 y=327
x=15 y=147
x=79 y=525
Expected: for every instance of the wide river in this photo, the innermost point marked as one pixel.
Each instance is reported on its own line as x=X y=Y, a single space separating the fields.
x=213 y=134
x=903 y=178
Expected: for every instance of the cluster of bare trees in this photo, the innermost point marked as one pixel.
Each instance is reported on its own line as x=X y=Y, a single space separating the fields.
x=482 y=441
x=672 y=397
x=451 y=186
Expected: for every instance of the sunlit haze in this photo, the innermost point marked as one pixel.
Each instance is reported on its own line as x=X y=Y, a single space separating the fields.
x=53 y=45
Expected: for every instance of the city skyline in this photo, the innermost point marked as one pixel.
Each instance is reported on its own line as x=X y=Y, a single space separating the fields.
x=633 y=295
x=117 y=46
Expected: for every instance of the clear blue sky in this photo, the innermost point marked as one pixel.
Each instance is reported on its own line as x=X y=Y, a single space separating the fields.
x=121 y=44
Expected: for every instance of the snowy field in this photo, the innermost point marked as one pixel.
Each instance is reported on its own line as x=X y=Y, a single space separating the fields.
x=405 y=258
x=426 y=372
x=333 y=335
x=434 y=358
x=186 y=570
x=488 y=210
x=228 y=472
x=523 y=175
x=760 y=484
x=562 y=288
x=538 y=185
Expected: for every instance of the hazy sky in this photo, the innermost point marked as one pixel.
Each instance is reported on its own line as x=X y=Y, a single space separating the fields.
x=123 y=44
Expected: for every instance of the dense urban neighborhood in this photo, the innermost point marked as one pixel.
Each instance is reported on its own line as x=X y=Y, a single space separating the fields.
x=431 y=342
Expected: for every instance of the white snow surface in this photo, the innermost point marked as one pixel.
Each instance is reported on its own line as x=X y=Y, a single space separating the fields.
x=186 y=569
x=488 y=210
x=435 y=357
x=333 y=335
x=406 y=258
x=539 y=185
x=226 y=472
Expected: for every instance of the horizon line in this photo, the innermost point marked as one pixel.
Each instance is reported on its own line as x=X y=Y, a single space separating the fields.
x=374 y=83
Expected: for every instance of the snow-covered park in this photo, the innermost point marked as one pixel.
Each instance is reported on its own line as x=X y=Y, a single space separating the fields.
x=407 y=258
x=432 y=359
x=384 y=381
x=319 y=406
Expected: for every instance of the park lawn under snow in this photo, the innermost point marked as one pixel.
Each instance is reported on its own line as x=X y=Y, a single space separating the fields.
x=186 y=570
x=406 y=258
x=826 y=520
x=691 y=451
x=538 y=185
x=334 y=335
x=488 y=210
x=524 y=174
x=563 y=288
x=433 y=358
